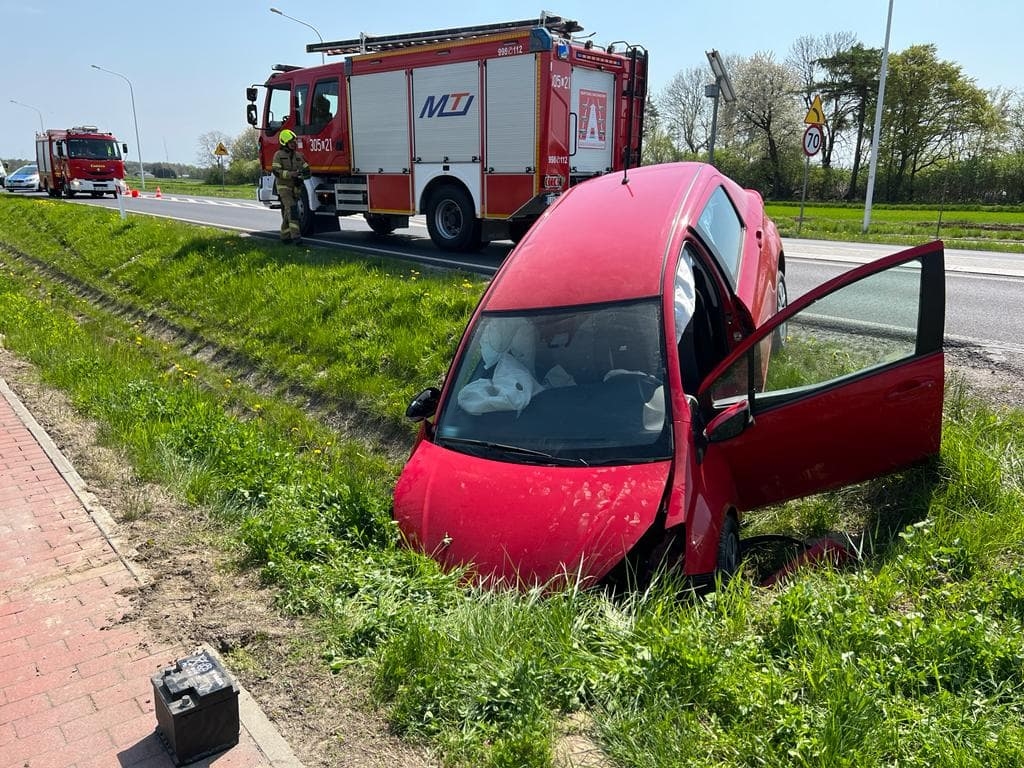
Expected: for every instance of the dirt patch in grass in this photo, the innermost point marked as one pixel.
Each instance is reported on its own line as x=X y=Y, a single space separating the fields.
x=994 y=374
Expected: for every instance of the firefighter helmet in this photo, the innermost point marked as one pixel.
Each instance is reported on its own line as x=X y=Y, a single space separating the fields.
x=287 y=136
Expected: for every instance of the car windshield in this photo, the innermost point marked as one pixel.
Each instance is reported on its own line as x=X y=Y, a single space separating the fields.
x=577 y=386
x=25 y=170
x=93 y=149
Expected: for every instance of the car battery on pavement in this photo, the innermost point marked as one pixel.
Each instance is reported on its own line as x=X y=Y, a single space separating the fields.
x=196 y=704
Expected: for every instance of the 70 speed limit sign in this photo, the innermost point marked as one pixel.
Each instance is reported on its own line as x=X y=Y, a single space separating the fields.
x=813 y=139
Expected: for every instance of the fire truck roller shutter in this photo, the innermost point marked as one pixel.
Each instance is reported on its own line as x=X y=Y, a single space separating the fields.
x=380 y=122
x=593 y=100
x=446 y=113
x=511 y=114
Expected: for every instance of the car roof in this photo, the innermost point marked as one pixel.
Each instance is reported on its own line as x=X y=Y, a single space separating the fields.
x=606 y=239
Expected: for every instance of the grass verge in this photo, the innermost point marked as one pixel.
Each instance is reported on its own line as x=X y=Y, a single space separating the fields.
x=912 y=658
x=362 y=331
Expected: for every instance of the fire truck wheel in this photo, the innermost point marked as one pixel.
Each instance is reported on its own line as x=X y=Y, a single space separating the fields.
x=381 y=225
x=307 y=219
x=451 y=220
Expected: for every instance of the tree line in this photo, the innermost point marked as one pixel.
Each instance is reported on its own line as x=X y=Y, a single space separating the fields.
x=942 y=137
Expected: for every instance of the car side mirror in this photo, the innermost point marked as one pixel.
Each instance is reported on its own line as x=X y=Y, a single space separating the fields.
x=250 y=114
x=250 y=94
x=730 y=423
x=424 y=405
x=124 y=148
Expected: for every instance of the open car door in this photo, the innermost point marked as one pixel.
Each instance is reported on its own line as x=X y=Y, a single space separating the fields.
x=853 y=388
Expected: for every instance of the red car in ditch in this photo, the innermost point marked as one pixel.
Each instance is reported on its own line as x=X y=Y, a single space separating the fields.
x=633 y=380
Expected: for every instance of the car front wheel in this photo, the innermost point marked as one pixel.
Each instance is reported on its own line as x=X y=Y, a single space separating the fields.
x=728 y=550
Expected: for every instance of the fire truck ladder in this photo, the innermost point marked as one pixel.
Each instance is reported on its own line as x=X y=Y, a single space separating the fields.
x=376 y=43
x=636 y=90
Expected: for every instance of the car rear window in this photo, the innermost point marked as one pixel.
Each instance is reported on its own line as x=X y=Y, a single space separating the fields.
x=722 y=230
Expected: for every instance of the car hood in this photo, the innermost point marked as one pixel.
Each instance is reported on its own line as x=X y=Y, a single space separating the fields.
x=521 y=524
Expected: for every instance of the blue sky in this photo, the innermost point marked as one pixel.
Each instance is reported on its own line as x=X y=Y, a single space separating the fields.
x=189 y=62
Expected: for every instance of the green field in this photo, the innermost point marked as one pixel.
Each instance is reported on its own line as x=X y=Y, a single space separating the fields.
x=912 y=657
x=196 y=187
x=992 y=228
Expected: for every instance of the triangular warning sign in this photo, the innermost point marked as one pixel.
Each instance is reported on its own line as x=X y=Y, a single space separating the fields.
x=593 y=130
x=221 y=150
x=816 y=114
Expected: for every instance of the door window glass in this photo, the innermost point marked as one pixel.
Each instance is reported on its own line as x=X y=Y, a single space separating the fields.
x=860 y=327
x=279 y=106
x=300 y=122
x=325 y=105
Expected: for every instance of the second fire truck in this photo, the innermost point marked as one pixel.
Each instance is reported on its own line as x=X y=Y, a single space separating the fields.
x=80 y=160
x=478 y=128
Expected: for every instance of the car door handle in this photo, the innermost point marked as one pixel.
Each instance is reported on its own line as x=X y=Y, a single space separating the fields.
x=907 y=390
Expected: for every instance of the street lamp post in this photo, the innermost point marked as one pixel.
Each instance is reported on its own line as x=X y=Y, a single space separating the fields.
x=873 y=165
x=721 y=88
x=41 y=128
x=138 y=144
x=303 y=23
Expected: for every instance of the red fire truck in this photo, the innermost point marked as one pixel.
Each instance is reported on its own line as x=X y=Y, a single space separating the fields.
x=81 y=159
x=478 y=128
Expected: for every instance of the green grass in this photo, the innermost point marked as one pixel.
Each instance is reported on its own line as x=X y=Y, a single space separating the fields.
x=979 y=228
x=911 y=658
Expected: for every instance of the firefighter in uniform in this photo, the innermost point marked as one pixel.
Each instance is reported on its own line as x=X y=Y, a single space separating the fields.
x=290 y=168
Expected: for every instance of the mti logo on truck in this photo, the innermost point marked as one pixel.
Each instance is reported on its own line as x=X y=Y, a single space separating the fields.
x=437 y=106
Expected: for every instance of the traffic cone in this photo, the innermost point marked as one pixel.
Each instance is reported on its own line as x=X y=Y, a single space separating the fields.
x=158 y=192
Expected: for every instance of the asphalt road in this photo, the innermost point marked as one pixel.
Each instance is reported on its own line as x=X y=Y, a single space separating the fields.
x=984 y=291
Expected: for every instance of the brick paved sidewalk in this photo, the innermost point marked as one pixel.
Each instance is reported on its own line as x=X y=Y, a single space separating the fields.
x=75 y=688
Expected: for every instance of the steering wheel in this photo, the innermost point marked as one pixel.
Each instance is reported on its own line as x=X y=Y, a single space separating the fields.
x=646 y=383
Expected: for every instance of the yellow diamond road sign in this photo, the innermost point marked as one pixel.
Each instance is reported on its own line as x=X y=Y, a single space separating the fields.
x=816 y=114
x=221 y=150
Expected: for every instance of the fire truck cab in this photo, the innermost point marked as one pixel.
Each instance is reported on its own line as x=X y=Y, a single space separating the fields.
x=479 y=128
